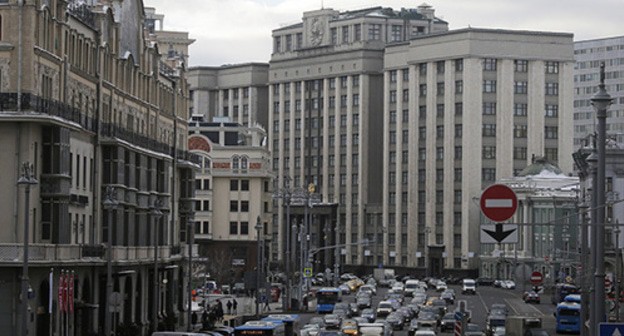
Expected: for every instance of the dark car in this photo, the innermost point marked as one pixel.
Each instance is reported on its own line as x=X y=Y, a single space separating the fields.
x=354 y=310
x=531 y=296
x=369 y=314
x=396 y=320
x=448 y=297
x=447 y=322
x=485 y=282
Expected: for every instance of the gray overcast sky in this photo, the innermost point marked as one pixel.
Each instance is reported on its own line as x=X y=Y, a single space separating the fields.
x=239 y=31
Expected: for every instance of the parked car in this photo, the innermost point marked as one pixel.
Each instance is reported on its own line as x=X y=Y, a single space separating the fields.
x=508 y=284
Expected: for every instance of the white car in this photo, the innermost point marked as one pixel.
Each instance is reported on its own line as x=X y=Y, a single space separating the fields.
x=441 y=286
x=508 y=284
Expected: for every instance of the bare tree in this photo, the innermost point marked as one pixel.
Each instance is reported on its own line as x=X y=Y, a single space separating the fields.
x=219 y=265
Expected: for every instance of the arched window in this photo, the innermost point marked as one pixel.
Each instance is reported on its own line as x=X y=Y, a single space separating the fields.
x=244 y=162
x=235 y=162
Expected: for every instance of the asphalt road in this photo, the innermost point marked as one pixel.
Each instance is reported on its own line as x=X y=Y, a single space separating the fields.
x=478 y=305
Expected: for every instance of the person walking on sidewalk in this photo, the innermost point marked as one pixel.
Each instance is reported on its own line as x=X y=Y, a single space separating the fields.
x=229 y=307
x=234 y=305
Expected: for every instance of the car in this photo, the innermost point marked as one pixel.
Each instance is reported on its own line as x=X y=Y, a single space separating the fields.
x=498 y=331
x=345 y=289
x=364 y=302
x=318 y=320
x=425 y=332
x=369 y=314
x=396 y=320
x=354 y=310
x=485 y=282
x=350 y=329
x=440 y=305
x=508 y=284
x=332 y=321
x=384 y=308
x=441 y=286
x=372 y=290
x=469 y=286
x=447 y=322
x=427 y=320
x=346 y=276
x=413 y=326
x=499 y=308
x=310 y=330
x=494 y=320
x=239 y=288
x=473 y=329
x=408 y=313
x=531 y=296
x=448 y=297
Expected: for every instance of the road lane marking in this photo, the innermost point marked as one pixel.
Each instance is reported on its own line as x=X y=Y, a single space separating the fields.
x=512 y=306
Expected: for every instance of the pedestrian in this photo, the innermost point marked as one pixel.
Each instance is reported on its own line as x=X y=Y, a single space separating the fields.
x=219 y=311
x=266 y=303
x=204 y=319
x=194 y=318
x=305 y=303
x=234 y=305
x=229 y=307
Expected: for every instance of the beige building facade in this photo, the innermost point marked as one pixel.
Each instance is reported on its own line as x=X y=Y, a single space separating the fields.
x=85 y=103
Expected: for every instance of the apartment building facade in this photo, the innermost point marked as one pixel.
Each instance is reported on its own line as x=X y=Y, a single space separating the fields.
x=87 y=104
x=325 y=112
x=589 y=55
x=462 y=109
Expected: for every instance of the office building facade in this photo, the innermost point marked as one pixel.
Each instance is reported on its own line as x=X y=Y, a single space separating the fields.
x=462 y=109
x=325 y=114
x=589 y=55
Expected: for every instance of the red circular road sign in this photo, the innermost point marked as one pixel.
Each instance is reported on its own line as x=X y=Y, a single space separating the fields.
x=536 y=278
x=498 y=202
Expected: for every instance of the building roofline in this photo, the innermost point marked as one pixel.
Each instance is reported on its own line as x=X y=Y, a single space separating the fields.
x=490 y=30
x=229 y=66
x=600 y=39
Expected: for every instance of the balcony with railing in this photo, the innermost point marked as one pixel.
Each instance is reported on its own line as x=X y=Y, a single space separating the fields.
x=13 y=254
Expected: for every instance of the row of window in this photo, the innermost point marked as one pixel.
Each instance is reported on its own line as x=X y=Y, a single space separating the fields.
x=235 y=93
x=316 y=85
x=315 y=103
x=317 y=161
x=488 y=108
x=316 y=123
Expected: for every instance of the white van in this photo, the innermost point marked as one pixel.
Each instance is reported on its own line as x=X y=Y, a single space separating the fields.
x=410 y=287
x=469 y=286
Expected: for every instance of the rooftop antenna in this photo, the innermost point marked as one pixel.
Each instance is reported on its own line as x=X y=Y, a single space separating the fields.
x=322 y=4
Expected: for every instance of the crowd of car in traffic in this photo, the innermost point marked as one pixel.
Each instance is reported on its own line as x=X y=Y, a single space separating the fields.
x=422 y=307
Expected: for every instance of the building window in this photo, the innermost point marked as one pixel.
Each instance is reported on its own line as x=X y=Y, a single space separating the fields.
x=440 y=110
x=374 y=32
x=552 y=111
x=457 y=175
x=439 y=153
x=277 y=44
x=405 y=75
x=396 y=33
x=422 y=154
x=489 y=130
x=551 y=132
x=422 y=132
x=345 y=34
x=299 y=40
x=552 y=89
x=489 y=86
x=440 y=131
x=521 y=65
x=392 y=97
x=422 y=112
x=520 y=131
x=459 y=86
x=521 y=87
x=405 y=116
x=233 y=228
x=489 y=64
x=422 y=176
x=459 y=65
x=488 y=174
x=552 y=67
x=458 y=152
x=459 y=109
x=457 y=196
x=343 y=82
x=356 y=99
x=288 y=44
x=233 y=206
x=233 y=185
x=552 y=154
x=393 y=76
x=355 y=81
x=520 y=110
x=439 y=175
x=244 y=228
x=458 y=130
x=489 y=108
x=440 y=89
x=357 y=32
x=405 y=95
x=520 y=153
x=334 y=36
x=440 y=67
x=489 y=152
x=422 y=69
x=422 y=90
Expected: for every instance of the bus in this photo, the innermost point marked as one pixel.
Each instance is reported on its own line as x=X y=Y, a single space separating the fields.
x=260 y=328
x=326 y=298
x=290 y=321
x=561 y=290
x=568 y=318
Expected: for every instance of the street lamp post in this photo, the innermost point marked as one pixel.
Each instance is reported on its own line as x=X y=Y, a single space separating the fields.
x=156 y=214
x=285 y=194
x=110 y=204
x=601 y=101
x=191 y=236
x=258 y=227
x=27 y=179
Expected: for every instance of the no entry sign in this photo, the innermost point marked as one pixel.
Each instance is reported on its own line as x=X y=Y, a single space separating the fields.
x=498 y=202
x=536 y=278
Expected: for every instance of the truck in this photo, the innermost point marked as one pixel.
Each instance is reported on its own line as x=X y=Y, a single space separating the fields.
x=521 y=325
x=383 y=276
